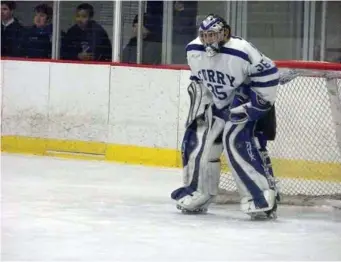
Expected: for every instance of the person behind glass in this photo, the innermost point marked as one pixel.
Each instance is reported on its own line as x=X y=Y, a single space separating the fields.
x=86 y=40
x=37 y=38
x=151 y=53
x=184 y=29
x=11 y=30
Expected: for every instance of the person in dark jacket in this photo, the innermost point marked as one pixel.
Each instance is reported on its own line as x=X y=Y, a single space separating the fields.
x=152 y=46
x=37 y=38
x=11 y=30
x=184 y=29
x=86 y=40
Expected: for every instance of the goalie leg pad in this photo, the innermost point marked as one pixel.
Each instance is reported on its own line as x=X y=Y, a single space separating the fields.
x=247 y=168
x=189 y=149
x=201 y=165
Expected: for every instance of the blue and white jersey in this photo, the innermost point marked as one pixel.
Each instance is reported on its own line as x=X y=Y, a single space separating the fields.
x=237 y=64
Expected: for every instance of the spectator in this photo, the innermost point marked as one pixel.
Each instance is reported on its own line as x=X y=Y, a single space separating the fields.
x=86 y=40
x=151 y=53
x=184 y=28
x=11 y=30
x=37 y=39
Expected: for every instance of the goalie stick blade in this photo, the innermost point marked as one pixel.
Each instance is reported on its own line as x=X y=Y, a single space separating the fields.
x=192 y=212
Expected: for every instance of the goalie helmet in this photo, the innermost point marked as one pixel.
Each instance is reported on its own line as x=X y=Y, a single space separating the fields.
x=214 y=32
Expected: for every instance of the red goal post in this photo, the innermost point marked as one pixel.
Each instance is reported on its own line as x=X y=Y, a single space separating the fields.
x=306 y=153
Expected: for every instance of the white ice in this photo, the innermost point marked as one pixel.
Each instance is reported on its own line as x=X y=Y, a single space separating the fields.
x=66 y=210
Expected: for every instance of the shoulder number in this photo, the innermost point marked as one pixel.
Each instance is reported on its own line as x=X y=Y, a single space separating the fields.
x=262 y=65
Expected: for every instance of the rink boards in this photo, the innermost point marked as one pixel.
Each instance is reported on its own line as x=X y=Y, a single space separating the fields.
x=126 y=114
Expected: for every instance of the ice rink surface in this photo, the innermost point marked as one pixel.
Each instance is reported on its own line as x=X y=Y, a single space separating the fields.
x=67 y=210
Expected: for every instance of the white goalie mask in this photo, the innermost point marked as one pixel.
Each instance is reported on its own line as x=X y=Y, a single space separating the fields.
x=213 y=33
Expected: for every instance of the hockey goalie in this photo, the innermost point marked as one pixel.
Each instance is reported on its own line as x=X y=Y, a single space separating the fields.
x=232 y=96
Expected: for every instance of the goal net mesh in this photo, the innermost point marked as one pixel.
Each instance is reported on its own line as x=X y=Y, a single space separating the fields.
x=306 y=154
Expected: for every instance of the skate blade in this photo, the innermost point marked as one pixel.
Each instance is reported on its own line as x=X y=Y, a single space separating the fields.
x=192 y=212
x=260 y=216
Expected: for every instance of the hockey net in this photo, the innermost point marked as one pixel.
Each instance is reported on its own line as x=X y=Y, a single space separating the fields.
x=306 y=154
